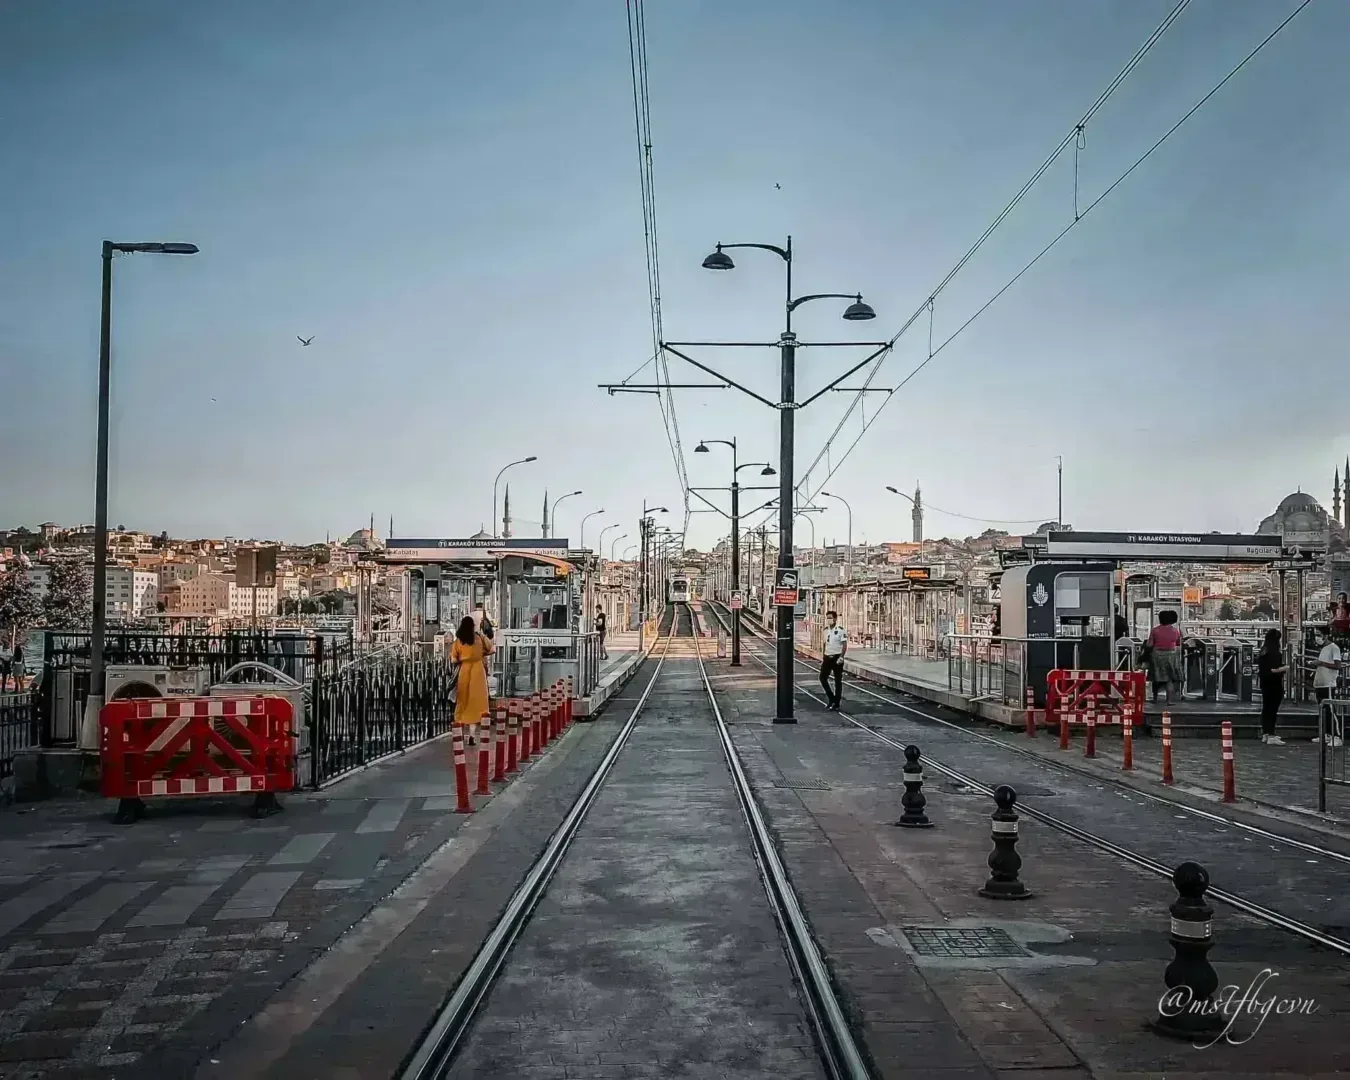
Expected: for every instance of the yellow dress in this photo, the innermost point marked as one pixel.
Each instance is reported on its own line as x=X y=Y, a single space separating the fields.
x=471 y=692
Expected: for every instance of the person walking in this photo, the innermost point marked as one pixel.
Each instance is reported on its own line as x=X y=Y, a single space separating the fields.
x=601 y=625
x=469 y=651
x=1164 y=649
x=1270 y=670
x=832 y=662
x=1326 y=675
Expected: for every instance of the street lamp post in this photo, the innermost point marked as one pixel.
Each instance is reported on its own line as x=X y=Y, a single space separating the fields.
x=702 y=448
x=553 y=514
x=522 y=461
x=849 y=569
x=600 y=544
x=787 y=406
x=581 y=542
x=645 y=524
x=99 y=629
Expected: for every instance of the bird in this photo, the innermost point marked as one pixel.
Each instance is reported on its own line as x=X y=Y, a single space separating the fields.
x=779 y=186
x=304 y=341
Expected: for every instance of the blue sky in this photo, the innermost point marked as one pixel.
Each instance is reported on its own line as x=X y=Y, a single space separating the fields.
x=447 y=197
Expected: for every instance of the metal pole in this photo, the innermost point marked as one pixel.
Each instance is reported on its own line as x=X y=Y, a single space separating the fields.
x=97 y=684
x=735 y=571
x=786 y=614
x=1059 y=520
x=642 y=578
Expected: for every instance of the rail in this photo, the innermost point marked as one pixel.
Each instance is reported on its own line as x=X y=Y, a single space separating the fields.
x=19 y=729
x=1331 y=751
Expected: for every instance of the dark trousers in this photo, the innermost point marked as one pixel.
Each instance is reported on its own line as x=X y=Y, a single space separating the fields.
x=1271 y=696
x=833 y=665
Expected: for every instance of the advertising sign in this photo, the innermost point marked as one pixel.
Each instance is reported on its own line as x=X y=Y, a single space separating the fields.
x=785 y=587
x=1192 y=594
x=917 y=573
x=255 y=566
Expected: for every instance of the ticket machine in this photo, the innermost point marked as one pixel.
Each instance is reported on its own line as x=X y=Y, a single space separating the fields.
x=1064 y=613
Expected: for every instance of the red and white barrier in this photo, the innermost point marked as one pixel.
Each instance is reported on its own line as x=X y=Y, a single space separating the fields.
x=1229 y=780
x=462 y=804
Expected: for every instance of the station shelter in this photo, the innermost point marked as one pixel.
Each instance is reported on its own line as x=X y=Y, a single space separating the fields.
x=919 y=614
x=538 y=595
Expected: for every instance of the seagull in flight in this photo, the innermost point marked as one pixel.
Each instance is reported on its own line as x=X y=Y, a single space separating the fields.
x=304 y=341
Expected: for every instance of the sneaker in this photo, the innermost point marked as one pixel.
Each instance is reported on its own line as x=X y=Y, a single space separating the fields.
x=1273 y=740
x=1335 y=740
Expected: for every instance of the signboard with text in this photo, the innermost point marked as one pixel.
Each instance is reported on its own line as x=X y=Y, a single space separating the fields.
x=1165 y=547
x=736 y=602
x=471 y=549
x=785 y=587
x=917 y=573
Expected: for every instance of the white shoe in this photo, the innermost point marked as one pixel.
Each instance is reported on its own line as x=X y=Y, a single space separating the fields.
x=1333 y=740
x=1273 y=740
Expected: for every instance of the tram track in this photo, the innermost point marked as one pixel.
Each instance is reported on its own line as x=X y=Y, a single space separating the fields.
x=1263 y=913
x=436 y=1054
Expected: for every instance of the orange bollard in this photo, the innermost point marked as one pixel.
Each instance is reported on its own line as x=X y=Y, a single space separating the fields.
x=512 y=734
x=1167 y=747
x=462 y=804
x=526 y=728
x=1063 y=729
x=1031 y=713
x=1229 y=780
x=551 y=717
x=499 y=743
x=484 y=753
x=567 y=705
x=1090 y=747
x=537 y=735
x=1127 y=736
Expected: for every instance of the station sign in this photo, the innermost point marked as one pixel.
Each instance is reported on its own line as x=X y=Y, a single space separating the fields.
x=917 y=573
x=1165 y=546
x=736 y=602
x=470 y=549
x=525 y=639
x=785 y=587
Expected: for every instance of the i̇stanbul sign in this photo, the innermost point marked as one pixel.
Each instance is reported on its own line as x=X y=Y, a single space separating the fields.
x=1166 y=546
x=470 y=549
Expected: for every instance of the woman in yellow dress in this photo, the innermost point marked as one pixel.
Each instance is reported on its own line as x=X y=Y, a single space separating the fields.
x=471 y=691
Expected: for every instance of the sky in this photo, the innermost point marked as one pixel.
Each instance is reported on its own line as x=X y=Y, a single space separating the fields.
x=446 y=196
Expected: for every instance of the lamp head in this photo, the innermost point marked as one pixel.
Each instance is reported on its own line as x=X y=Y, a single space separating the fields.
x=701 y=448
x=858 y=311
x=718 y=260
x=769 y=470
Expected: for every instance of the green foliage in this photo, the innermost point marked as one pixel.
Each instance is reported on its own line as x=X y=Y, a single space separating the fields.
x=70 y=596
x=20 y=605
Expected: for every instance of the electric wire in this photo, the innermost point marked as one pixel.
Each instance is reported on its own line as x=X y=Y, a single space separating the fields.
x=934 y=352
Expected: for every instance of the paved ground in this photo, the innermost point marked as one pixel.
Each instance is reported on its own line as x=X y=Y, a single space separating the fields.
x=127 y=949
x=1093 y=937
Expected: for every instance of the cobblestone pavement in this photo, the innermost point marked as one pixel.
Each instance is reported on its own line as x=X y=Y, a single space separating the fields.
x=1094 y=934
x=133 y=949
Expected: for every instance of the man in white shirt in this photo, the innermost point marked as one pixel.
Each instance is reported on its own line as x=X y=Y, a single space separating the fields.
x=1326 y=674
x=835 y=646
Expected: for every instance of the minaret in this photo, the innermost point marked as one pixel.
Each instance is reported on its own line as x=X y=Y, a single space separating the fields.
x=391 y=524
x=1346 y=504
x=917 y=515
x=506 y=515
x=1336 y=495
x=545 y=518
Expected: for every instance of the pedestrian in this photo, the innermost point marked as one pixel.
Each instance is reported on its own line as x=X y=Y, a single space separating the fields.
x=1164 y=646
x=1326 y=675
x=1270 y=669
x=600 y=626
x=469 y=651
x=832 y=662
x=1340 y=620
x=16 y=666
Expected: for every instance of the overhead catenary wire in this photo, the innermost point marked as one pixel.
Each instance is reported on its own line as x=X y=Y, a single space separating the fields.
x=1079 y=217
x=637 y=57
x=1072 y=137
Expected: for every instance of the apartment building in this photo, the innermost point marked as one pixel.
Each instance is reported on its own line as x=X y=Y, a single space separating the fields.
x=130 y=593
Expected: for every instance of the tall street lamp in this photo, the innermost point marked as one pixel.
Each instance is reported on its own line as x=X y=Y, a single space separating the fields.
x=522 y=461
x=600 y=544
x=581 y=543
x=99 y=630
x=849 y=569
x=645 y=525
x=553 y=514
x=787 y=406
x=768 y=470
x=614 y=544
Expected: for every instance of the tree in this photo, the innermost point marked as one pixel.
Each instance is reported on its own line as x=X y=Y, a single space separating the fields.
x=1227 y=611
x=20 y=606
x=70 y=596
x=1264 y=609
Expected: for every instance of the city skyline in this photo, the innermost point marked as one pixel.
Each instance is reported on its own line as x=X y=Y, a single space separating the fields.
x=437 y=227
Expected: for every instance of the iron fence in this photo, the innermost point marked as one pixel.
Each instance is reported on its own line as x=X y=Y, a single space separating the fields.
x=18 y=728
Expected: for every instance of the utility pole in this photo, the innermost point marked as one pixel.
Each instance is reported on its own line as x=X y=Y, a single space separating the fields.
x=1059 y=519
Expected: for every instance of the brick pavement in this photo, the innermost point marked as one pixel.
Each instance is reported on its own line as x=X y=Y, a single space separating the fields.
x=132 y=948
x=1094 y=933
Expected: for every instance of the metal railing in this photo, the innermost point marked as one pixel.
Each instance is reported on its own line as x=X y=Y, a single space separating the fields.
x=18 y=728
x=527 y=661
x=1331 y=753
x=994 y=668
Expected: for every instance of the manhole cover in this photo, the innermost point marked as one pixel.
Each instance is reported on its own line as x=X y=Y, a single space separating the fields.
x=970 y=943
x=965 y=789
x=802 y=785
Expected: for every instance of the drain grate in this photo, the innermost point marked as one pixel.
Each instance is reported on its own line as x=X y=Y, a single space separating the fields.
x=801 y=785
x=970 y=943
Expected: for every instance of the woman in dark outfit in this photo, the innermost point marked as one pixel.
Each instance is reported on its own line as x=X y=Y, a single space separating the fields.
x=1270 y=669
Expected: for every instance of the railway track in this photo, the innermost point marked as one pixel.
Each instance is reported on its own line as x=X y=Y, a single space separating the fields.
x=1126 y=852
x=446 y=1039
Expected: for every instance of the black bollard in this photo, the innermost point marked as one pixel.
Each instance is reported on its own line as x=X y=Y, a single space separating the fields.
x=1188 y=1008
x=265 y=804
x=129 y=811
x=913 y=799
x=1004 y=862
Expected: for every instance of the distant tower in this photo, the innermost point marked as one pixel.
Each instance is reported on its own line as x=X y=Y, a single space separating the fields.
x=506 y=515
x=545 y=532
x=917 y=515
x=1346 y=505
x=391 y=524
x=1336 y=495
